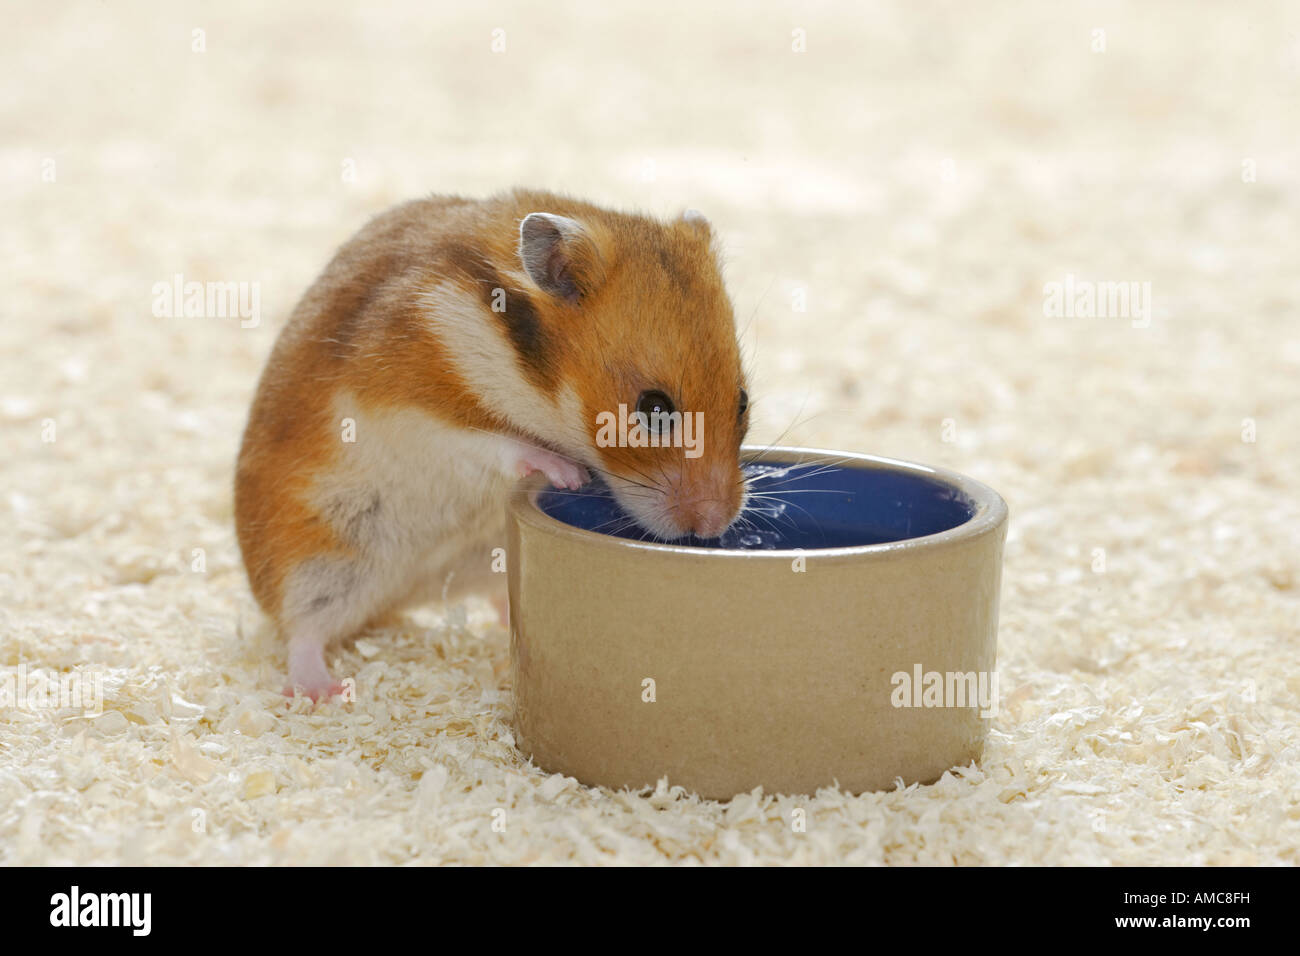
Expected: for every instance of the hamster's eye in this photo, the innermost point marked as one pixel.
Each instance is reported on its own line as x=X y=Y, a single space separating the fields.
x=744 y=404
x=651 y=405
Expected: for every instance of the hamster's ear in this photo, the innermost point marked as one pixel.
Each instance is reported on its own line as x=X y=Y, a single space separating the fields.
x=695 y=219
x=558 y=255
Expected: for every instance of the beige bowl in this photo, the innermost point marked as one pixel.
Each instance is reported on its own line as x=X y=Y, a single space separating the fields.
x=855 y=650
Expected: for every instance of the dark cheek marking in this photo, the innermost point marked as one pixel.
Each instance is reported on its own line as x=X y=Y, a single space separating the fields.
x=519 y=320
x=526 y=334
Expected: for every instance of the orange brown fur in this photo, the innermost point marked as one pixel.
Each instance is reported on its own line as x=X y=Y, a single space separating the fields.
x=649 y=311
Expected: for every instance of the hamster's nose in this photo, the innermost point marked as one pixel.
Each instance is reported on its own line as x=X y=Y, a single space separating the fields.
x=708 y=519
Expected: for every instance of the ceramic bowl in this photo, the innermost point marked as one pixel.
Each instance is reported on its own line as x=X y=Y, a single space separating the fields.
x=844 y=634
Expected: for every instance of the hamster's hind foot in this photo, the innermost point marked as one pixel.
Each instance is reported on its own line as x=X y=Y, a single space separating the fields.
x=308 y=674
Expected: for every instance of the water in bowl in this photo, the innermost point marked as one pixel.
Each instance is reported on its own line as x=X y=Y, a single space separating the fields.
x=796 y=506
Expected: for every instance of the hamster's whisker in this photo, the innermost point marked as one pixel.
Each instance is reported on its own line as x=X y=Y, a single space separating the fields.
x=626 y=523
x=769 y=516
x=809 y=463
x=823 y=467
x=651 y=486
x=810 y=515
x=785 y=431
x=794 y=491
x=766 y=521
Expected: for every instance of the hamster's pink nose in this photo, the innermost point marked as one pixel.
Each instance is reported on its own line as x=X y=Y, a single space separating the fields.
x=708 y=519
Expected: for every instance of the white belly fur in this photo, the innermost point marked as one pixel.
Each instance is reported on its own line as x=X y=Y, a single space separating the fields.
x=421 y=502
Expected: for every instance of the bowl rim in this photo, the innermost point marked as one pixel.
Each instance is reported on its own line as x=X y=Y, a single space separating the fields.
x=990 y=513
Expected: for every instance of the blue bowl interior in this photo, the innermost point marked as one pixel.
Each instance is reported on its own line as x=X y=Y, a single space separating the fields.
x=796 y=506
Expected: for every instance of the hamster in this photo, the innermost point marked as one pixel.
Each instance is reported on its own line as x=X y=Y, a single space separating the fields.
x=451 y=347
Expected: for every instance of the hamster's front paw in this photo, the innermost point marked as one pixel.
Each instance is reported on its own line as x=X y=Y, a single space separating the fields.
x=561 y=472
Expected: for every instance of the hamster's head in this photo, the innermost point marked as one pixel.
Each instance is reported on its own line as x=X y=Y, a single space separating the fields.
x=652 y=388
